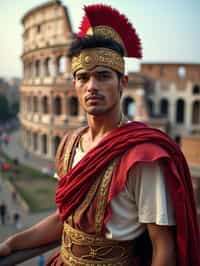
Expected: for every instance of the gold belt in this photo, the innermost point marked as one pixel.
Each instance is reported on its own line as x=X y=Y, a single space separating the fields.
x=82 y=249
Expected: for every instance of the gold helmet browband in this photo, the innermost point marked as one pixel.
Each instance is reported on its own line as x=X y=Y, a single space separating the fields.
x=99 y=56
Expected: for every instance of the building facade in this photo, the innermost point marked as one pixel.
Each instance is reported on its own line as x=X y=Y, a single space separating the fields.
x=48 y=104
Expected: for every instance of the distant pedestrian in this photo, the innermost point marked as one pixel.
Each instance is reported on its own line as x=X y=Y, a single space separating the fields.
x=26 y=154
x=14 y=196
x=3 y=212
x=41 y=260
x=17 y=220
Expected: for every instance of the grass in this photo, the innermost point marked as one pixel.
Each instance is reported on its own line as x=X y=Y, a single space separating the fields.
x=37 y=189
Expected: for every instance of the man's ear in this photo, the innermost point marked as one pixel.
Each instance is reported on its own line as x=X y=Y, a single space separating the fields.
x=74 y=81
x=123 y=83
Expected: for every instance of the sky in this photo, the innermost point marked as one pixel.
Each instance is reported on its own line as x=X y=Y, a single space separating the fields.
x=169 y=29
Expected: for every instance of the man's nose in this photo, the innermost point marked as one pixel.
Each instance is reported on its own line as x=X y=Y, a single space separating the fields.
x=92 y=84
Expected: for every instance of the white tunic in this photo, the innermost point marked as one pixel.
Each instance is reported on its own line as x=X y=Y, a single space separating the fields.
x=144 y=199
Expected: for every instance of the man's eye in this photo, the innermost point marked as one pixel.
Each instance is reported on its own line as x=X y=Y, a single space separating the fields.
x=103 y=75
x=82 y=78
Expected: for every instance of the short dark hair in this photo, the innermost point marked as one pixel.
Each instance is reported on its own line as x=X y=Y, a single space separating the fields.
x=91 y=41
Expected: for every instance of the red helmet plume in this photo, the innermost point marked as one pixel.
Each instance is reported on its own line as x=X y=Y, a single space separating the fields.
x=105 y=16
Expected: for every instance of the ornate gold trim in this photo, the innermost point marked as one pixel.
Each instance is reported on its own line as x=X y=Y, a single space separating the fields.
x=100 y=56
x=102 y=198
x=97 y=246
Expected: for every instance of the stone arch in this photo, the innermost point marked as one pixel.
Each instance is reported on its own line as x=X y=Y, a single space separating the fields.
x=30 y=70
x=180 y=111
x=45 y=106
x=57 y=105
x=44 y=144
x=37 y=68
x=150 y=105
x=47 y=67
x=61 y=64
x=164 y=107
x=56 y=142
x=128 y=107
x=196 y=89
x=196 y=113
x=178 y=139
x=73 y=106
x=35 y=104
x=35 y=141
x=29 y=138
x=28 y=104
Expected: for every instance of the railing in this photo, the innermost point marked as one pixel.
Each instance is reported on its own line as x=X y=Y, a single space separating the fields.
x=22 y=255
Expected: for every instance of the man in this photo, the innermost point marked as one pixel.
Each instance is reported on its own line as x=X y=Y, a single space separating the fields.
x=124 y=194
x=3 y=212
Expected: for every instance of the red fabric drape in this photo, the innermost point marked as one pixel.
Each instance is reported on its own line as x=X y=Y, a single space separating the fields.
x=148 y=145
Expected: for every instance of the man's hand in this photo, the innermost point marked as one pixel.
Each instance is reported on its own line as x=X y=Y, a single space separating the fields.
x=46 y=231
x=5 y=249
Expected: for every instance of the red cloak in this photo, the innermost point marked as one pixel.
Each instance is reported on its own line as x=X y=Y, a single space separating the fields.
x=138 y=143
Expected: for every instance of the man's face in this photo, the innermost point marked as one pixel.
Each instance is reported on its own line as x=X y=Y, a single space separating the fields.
x=98 y=90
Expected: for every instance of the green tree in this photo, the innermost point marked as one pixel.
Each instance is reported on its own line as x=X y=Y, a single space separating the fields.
x=4 y=109
x=15 y=108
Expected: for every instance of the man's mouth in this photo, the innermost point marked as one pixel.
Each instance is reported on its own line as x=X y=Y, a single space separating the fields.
x=94 y=98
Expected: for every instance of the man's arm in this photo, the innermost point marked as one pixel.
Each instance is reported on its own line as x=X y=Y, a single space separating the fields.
x=163 y=243
x=46 y=231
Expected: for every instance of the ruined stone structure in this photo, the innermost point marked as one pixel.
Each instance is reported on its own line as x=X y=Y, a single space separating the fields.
x=175 y=95
x=48 y=103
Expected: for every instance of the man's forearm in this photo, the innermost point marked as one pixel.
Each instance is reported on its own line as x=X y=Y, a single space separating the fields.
x=164 y=257
x=46 y=231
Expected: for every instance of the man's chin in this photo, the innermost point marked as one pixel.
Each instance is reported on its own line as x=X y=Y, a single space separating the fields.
x=97 y=112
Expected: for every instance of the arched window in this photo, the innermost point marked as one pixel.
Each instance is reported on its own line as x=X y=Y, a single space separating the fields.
x=47 y=64
x=57 y=105
x=178 y=139
x=181 y=72
x=29 y=138
x=28 y=104
x=73 y=106
x=35 y=104
x=35 y=141
x=56 y=143
x=45 y=105
x=196 y=113
x=128 y=107
x=150 y=106
x=30 y=70
x=164 y=107
x=61 y=64
x=196 y=89
x=37 y=68
x=44 y=144
x=180 y=111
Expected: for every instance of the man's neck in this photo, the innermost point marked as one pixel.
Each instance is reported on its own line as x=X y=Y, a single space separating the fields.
x=99 y=127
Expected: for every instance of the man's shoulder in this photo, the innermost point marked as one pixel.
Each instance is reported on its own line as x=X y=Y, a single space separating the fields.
x=145 y=152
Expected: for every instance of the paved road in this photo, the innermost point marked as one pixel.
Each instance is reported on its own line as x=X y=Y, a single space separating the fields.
x=15 y=150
